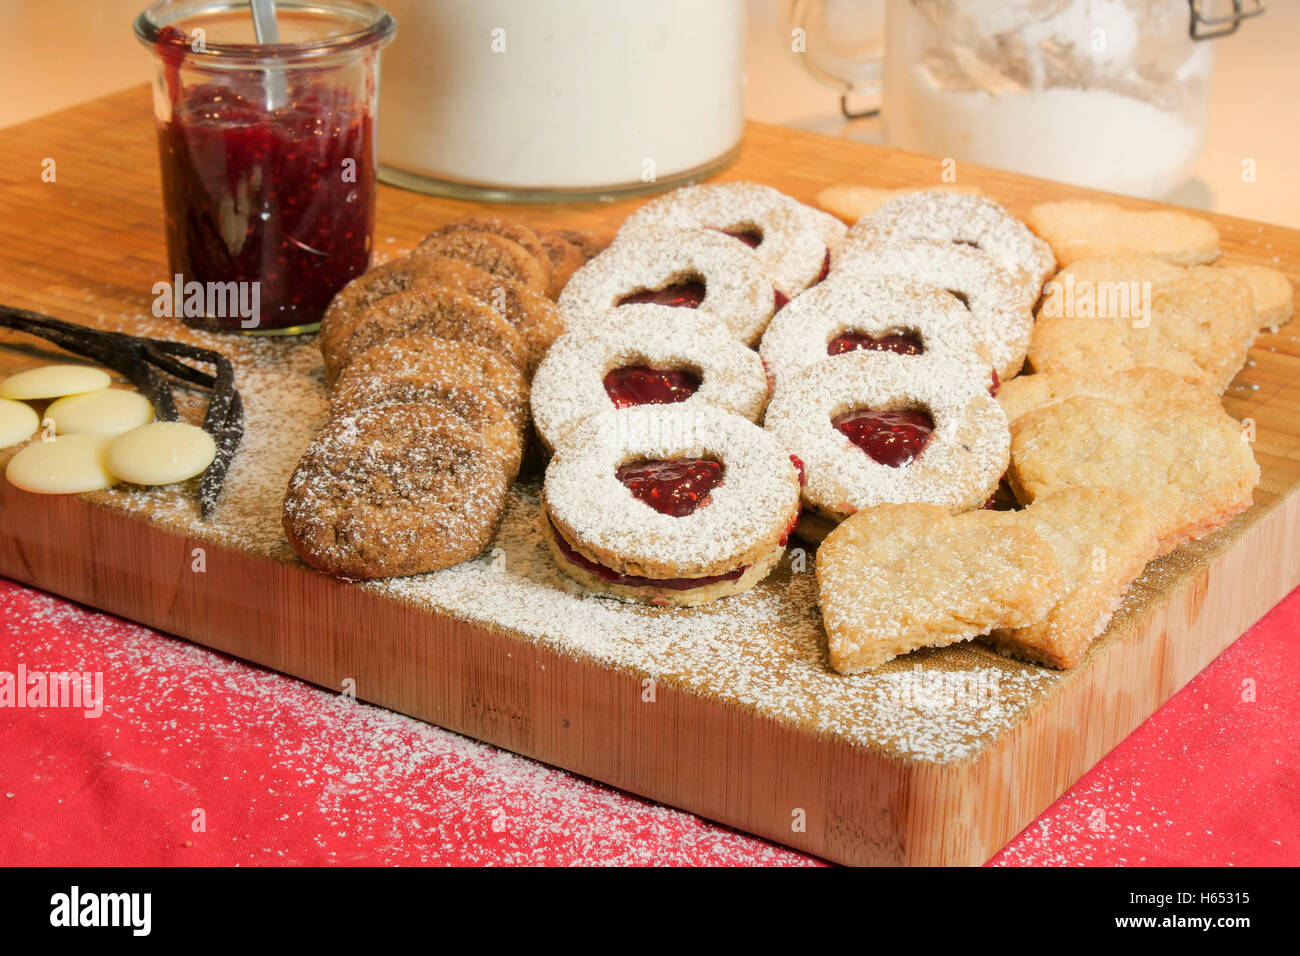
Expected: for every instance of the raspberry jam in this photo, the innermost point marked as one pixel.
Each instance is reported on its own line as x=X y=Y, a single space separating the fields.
x=676 y=487
x=902 y=343
x=283 y=197
x=642 y=385
x=752 y=236
x=892 y=437
x=682 y=295
x=636 y=581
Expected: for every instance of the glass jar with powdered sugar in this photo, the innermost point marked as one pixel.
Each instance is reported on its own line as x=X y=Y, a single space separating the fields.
x=1111 y=94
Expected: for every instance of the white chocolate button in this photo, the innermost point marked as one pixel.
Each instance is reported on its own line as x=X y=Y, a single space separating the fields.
x=161 y=453
x=53 y=381
x=64 y=466
x=18 y=422
x=109 y=411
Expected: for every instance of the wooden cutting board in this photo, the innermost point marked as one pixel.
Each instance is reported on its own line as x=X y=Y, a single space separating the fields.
x=728 y=711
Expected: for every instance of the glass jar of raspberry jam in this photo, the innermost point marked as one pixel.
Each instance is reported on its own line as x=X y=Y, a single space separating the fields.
x=267 y=157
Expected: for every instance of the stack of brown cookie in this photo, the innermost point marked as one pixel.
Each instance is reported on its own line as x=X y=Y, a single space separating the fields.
x=428 y=359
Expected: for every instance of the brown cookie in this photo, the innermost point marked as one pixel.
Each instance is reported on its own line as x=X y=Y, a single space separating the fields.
x=390 y=491
x=511 y=229
x=475 y=410
x=429 y=311
x=491 y=253
x=534 y=315
x=588 y=243
x=445 y=362
x=396 y=275
x=566 y=259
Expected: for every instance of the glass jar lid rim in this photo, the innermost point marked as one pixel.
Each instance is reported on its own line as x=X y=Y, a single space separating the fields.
x=377 y=28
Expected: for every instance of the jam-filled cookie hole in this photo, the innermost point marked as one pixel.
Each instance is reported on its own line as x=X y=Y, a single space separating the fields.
x=629 y=385
x=675 y=487
x=892 y=437
x=902 y=342
x=749 y=234
x=684 y=292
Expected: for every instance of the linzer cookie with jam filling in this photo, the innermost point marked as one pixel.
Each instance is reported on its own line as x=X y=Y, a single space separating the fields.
x=961 y=218
x=393 y=490
x=685 y=268
x=846 y=313
x=665 y=504
x=874 y=427
x=791 y=240
x=898 y=577
x=426 y=311
x=654 y=355
x=1191 y=467
x=999 y=320
x=435 y=362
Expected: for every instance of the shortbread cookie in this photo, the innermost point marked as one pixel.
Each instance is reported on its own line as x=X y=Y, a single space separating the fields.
x=791 y=240
x=654 y=355
x=442 y=362
x=965 y=219
x=1102 y=539
x=1081 y=228
x=492 y=253
x=1134 y=386
x=874 y=427
x=850 y=201
x=1197 y=328
x=847 y=313
x=685 y=268
x=535 y=317
x=1000 y=320
x=667 y=504
x=1270 y=292
x=898 y=577
x=1192 y=468
x=1104 y=278
x=428 y=311
x=391 y=491
x=471 y=408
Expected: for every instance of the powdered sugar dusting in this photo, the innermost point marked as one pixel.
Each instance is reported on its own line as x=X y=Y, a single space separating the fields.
x=964 y=218
x=999 y=317
x=737 y=290
x=569 y=384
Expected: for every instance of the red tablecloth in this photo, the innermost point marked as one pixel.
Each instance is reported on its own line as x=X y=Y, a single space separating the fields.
x=199 y=758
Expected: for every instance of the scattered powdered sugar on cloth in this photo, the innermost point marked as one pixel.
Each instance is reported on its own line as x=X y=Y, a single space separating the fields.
x=286 y=773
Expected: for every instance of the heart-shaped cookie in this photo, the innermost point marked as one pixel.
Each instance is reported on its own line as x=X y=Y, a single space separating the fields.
x=897 y=577
x=1200 y=329
x=1102 y=539
x=1134 y=386
x=1079 y=228
x=1191 y=467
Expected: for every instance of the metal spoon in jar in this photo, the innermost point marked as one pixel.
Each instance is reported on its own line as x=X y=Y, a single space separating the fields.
x=268 y=31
